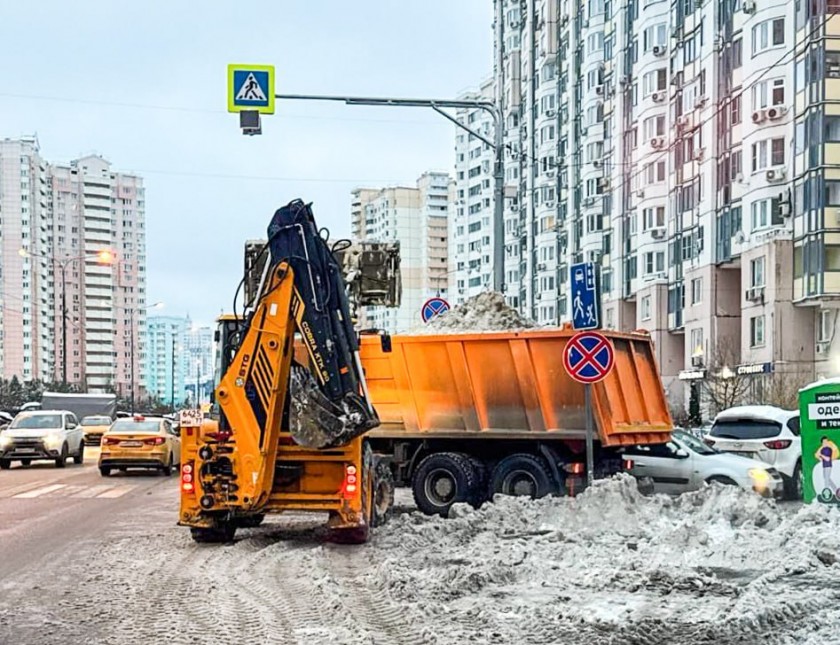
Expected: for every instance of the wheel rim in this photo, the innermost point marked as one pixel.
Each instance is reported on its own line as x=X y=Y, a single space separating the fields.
x=520 y=483
x=441 y=487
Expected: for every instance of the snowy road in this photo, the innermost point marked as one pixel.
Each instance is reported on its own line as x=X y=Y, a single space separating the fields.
x=720 y=566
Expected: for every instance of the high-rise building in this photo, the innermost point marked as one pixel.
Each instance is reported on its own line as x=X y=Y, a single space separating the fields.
x=96 y=209
x=167 y=358
x=685 y=148
x=418 y=219
x=199 y=358
x=26 y=287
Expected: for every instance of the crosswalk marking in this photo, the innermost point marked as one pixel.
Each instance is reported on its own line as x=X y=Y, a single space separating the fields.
x=39 y=491
x=119 y=491
x=93 y=491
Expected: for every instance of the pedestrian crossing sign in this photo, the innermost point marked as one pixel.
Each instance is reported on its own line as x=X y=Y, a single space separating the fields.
x=251 y=87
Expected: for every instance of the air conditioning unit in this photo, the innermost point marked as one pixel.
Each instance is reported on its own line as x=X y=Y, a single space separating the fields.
x=640 y=194
x=677 y=33
x=822 y=348
x=624 y=80
x=658 y=233
x=659 y=50
x=700 y=102
x=758 y=116
x=599 y=90
x=739 y=177
x=541 y=266
x=588 y=201
x=658 y=97
x=549 y=204
x=657 y=143
x=550 y=173
x=603 y=183
x=550 y=113
x=776 y=112
x=775 y=174
x=676 y=79
x=596 y=164
x=755 y=294
x=564 y=20
x=699 y=154
x=748 y=7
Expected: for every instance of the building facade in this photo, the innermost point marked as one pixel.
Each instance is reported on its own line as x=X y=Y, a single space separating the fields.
x=26 y=283
x=417 y=218
x=96 y=211
x=167 y=358
x=199 y=357
x=686 y=148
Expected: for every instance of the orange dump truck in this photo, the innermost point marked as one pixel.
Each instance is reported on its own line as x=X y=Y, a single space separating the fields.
x=465 y=416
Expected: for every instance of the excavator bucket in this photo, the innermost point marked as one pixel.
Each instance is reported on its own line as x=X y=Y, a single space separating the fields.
x=329 y=404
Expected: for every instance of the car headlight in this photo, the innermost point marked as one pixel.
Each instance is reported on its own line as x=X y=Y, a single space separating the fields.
x=53 y=440
x=759 y=476
x=5 y=440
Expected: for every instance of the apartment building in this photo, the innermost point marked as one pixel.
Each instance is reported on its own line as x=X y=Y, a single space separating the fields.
x=417 y=217
x=687 y=148
x=200 y=363
x=26 y=280
x=95 y=209
x=167 y=358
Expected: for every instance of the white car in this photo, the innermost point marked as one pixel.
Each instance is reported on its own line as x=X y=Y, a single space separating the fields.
x=766 y=433
x=685 y=463
x=54 y=435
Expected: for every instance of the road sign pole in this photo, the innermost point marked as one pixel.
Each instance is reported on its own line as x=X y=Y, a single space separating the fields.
x=590 y=441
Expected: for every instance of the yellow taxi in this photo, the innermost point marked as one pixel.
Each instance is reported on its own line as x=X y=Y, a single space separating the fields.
x=140 y=442
x=94 y=427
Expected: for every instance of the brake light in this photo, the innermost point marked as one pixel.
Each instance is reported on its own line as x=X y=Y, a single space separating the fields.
x=221 y=437
x=187 y=485
x=109 y=441
x=154 y=441
x=139 y=417
x=628 y=464
x=350 y=485
x=778 y=444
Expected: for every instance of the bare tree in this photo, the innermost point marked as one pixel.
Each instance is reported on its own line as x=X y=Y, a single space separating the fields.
x=782 y=389
x=723 y=387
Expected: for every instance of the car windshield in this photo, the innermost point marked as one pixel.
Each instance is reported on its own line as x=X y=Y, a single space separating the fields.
x=96 y=421
x=37 y=422
x=745 y=429
x=694 y=444
x=130 y=426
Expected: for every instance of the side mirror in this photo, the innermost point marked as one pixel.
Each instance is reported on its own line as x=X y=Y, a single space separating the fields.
x=681 y=454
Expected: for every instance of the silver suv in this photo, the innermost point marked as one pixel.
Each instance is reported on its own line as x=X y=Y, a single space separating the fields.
x=42 y=434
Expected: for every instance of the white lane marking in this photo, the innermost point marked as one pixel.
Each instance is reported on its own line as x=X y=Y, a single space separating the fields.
x=11 y=491
x=119 y=491
x=93 y=491
x=38 y=492
x=67 y=491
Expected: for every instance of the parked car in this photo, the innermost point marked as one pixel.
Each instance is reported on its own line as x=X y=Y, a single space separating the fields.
x=42 y=434
x=5 y=419
x=94 y=427
x=140 y=442
x=685 y=463
x=766 y=433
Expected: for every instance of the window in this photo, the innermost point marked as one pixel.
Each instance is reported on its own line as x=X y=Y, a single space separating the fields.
x=653 y=218
x=767 y=153
x=654 y=262
x=654 y=81
x=697 y=340
x=768 y=93
x=655 y=172
x=826 y=326
x=766 y=212
x=768 y=34
x=653 y=36
x=736 y=110
x=757 y=272
x=696 y=291
x=832 y=257
x=757 y=331
x=654 y=127
x=646 y=308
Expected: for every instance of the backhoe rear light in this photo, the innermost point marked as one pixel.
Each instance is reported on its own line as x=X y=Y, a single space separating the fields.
x=154 y=441
x=187 y=485
x=220 y=436
x=350 y=485
x=778 y=444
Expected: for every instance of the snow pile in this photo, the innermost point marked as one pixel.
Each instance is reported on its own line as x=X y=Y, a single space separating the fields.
x=615 y=566
x=485 y=312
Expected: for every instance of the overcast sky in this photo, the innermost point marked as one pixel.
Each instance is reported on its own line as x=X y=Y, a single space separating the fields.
x=143 y=84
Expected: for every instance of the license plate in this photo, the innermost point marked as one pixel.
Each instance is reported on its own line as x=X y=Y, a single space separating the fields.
x=742 y=453
x=131 y=444
x=25 y=451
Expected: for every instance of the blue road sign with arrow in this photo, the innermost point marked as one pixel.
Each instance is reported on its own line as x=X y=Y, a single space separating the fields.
x=586 y=301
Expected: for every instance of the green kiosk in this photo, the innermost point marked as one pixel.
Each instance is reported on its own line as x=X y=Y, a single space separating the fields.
x=819 y=416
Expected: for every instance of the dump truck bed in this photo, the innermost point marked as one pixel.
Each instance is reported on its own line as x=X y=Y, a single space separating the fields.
x=512 y=385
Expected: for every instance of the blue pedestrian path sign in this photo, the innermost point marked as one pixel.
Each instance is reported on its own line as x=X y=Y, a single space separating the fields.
x=433 y=308
x=251 y=87
x=586 y=301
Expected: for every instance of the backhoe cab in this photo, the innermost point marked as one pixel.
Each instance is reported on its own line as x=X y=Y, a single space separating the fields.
x=288 y=435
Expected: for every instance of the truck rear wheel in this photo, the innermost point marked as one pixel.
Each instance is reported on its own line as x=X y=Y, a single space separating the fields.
x=382 y=499
x=443 y=479
x=522 y=474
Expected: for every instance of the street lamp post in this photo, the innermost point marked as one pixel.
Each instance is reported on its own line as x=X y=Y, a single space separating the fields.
x=104 y=257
